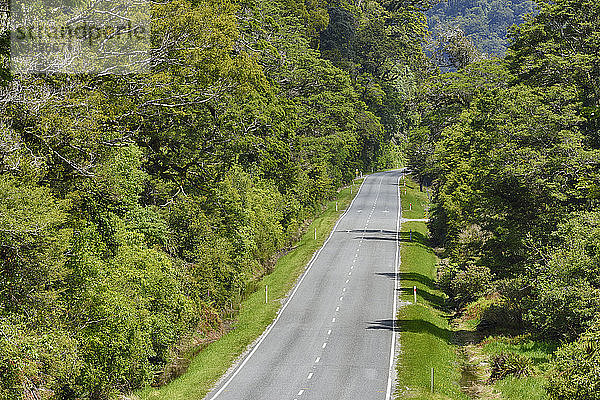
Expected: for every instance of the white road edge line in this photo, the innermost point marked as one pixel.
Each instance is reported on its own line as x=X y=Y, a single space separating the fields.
x=308 y=268
x=388 y=393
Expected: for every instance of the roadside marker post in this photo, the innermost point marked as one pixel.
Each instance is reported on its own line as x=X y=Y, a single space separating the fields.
x=315 y=233
x=415 y=294
x=266 y=294
x=336 y=206
x=432 y=379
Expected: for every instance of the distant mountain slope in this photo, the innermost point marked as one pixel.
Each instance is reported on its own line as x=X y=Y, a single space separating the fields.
x=485 y=22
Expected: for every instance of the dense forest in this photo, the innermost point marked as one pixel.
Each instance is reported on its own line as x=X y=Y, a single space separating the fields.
x=137 y=209
x=473 y=29
x=512 y=148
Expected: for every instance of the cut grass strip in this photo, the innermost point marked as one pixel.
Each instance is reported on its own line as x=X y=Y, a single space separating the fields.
x=426 y=339
x=254 y=315
x=413 y=198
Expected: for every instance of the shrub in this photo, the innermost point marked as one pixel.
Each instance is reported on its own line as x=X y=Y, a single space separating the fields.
x=506 y=313
x=510 y=364
x=470 y=284
x=10 y=382
x=500 y=315
x=446 y=274
x=575 y=372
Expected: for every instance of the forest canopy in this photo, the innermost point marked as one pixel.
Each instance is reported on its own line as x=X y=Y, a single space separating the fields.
x=483 y=24
x=137 y=209
x=511 y=148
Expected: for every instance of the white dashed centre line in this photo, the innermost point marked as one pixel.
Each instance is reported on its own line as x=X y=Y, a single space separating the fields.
x=329 y=332
x=317 y=360
x=324 y=344
x=337 y=309
x=300 y=392
x=310 y=375
x=333 y=319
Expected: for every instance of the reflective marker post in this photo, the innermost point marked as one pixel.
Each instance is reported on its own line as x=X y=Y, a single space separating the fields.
x=415 y=294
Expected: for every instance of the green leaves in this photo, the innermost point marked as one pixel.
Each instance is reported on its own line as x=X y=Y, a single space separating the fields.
x=575 y=370
x=136 y=208
x=33 y=239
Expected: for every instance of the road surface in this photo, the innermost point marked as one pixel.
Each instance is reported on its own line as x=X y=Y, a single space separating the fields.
x=334 y=338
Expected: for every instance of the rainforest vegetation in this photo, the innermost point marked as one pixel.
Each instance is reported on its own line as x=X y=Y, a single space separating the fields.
x=512 y=148
x=482 y=24
x=137 y=209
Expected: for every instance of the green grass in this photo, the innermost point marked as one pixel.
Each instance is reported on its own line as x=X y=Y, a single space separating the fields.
x=254 y=315
x=426 y=339
x=527 y=388
x=410 y=194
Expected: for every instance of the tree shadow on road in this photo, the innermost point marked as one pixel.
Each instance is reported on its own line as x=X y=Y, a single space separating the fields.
x=382 y=324
x=415 y=326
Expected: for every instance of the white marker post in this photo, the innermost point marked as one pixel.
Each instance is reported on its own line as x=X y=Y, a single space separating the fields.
x=415 y=294
x=315 y=233
x=336 y=206
x=266 y=294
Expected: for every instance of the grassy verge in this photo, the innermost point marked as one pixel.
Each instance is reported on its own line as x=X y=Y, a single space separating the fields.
x=426 y=338
x=413 y=200
x=431 y=338
x=254 y=315
x=522 y=388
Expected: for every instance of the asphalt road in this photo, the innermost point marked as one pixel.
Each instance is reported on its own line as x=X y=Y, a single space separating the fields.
x=334 y=338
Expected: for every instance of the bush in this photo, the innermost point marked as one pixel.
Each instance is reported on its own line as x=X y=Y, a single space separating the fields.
x=510 y=364
x=10 y=382
x=500 y=316
x=446 y=274
x=564 y=310
x=506 y=314
x=575 y=372
x=470 y=284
